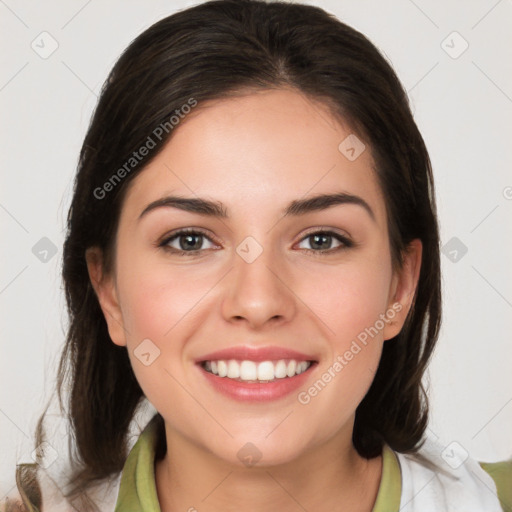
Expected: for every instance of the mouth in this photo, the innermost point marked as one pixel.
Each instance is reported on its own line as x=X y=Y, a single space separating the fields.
x=249 y=374
x=254 y=372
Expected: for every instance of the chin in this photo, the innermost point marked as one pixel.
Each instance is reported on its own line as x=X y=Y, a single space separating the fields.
x=260 y=451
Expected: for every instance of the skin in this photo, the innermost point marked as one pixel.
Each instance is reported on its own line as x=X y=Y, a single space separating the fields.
x=256 y=153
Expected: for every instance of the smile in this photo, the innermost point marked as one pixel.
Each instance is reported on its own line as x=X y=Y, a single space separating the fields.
x=256 y=374
x=256 y=371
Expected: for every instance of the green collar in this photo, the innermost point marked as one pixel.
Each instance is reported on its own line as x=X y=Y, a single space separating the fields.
x=137 y=490
x=390 y=489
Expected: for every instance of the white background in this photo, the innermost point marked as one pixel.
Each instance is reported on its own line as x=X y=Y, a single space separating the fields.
x=463 y=107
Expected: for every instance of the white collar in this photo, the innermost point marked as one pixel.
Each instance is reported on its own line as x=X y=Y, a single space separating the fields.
x=445 y=479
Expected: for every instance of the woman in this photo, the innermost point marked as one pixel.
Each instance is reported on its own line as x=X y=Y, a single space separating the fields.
x=253 y=248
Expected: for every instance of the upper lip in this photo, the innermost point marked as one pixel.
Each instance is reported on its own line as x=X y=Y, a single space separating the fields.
x=242 y=353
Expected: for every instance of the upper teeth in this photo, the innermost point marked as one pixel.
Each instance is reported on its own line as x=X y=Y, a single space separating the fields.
x=251 y=370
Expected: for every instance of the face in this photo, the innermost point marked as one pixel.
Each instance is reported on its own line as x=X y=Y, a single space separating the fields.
x=264 y=321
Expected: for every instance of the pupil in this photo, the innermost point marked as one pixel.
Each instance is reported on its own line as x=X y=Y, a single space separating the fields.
x=318 y=239
x=189 y=243
x=192 y=241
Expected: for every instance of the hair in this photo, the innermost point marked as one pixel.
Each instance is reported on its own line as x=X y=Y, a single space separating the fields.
x=245 y=45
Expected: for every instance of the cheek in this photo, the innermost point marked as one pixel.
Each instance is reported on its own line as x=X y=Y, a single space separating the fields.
x=349 y=298
x=159 y=305
x=156 y=299
x=351 y=308
x=164 y=305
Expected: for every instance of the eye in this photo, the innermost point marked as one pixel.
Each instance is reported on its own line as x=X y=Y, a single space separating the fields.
x=191 y=242
x=186 y=241
x=321 y=241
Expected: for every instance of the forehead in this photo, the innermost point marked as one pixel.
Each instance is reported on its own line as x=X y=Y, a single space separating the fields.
x=257 y=152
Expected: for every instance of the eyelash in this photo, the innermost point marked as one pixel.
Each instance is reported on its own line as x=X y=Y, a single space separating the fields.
x=346 y=243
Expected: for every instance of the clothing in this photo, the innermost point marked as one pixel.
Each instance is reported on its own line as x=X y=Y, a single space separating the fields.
x=423 y=482
x=465 y=484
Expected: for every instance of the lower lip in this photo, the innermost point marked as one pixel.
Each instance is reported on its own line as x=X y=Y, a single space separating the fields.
x=256 y=392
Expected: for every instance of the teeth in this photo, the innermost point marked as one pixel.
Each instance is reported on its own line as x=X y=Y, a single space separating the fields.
x=266 y=370
x=263 y=371
x=233 y=370
x=280 y=370
x=248 y=370
x=292 y=366
x=222 y=368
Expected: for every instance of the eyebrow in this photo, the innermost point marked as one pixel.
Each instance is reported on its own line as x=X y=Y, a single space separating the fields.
x=295 y=208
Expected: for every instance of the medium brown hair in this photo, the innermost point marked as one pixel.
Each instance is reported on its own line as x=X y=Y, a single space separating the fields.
x=213 y=51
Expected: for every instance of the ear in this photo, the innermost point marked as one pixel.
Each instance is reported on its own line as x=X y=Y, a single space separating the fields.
x=105 y=288
x=403 y=288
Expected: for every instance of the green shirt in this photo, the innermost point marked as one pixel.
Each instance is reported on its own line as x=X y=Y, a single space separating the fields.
x=137 y=491
x=137 y=488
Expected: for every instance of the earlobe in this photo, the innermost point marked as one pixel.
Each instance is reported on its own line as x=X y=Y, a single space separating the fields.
x=403 y=288
x=105 y=289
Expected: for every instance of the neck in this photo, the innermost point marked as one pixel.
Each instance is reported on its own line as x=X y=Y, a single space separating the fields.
x=329 y=477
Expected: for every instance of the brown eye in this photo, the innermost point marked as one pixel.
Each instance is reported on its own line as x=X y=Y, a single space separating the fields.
x=322 y=241
x=190 y=241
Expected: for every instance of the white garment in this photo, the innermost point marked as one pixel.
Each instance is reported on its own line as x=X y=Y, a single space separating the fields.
x=445 y=479
x=53 y=469
x=430 y=483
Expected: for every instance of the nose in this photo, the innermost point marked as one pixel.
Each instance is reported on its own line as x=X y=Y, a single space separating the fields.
x=257 y=294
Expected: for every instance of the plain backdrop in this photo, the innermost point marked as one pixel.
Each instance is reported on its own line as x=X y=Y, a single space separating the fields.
x=455 y=60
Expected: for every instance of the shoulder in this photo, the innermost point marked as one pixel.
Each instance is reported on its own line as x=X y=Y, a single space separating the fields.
x=36 y=490
x=40 y=486
x=447 y=478
x=501 y=473
x=25 y=495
